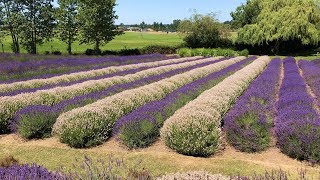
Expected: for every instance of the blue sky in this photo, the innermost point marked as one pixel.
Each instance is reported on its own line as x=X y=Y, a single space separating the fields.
x=136 y=11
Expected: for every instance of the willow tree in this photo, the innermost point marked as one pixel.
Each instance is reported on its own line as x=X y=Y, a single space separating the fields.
x=283 y=21
x=97 y=22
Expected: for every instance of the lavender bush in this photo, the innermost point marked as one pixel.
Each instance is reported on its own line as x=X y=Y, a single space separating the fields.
x=297 y=126
x=141 y=127
x=248 y=124
x=36 y=121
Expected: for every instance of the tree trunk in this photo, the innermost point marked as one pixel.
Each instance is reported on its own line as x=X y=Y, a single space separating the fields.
x=276 y=47
x=15 y=40
x=97 y=46
x=69 y=44
x=34 y=33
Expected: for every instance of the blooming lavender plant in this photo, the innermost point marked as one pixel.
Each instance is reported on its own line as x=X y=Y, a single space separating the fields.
x=34 y=171
x=297 y=126
x=11 y=104
x=195 y=129
x=248 y=124
x=141 y=127
x=92 y=124
x=37 y=84
x=36 y=121
x=13 y=67
x=85 y=78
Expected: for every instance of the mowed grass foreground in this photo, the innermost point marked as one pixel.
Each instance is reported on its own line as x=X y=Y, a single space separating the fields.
x=157 y=159
x=129 y=40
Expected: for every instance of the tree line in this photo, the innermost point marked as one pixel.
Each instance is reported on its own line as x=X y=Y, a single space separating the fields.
x=31 y=22
x=156 y=26
x=262 y=26
x=278 y=26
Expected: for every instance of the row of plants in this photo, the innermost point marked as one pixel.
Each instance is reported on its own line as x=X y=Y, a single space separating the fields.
x=195 y=129
x=248 y=124
x=36 y=121
x=79 y=77
x=92 y=124
x=297 y=126
x=140 y=128
x=39 y=66
x=11 y=104
x=187 y=52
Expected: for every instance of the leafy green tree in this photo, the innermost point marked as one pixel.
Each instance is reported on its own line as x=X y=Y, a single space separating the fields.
x=143 y=25
x=10 y=16
x=246 y=13
x=155 y=26
x=204 y=31
x=67 y=17
x=96 y=19
x=37 y=23
x=175 y=24
x=282 y=21
x=185 y=26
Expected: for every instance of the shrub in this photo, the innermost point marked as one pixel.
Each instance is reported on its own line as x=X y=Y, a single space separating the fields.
x=158 y=49
x=194 y=141
x=244 y=52
x=36 y=125
x=109 y=52
x=206 y=52
x=128 y=52
x=140 y=134
x=56 y=53
x=184 y=52
x=47 y=52
x=225 y=52
x=197 y=52
x=91 y=52
x=257 y=128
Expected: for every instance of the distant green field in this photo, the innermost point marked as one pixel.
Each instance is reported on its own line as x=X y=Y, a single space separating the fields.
x=128 y=40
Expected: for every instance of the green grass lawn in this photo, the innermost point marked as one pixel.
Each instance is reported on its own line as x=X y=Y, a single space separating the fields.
x=157 y=159
x=128 y=40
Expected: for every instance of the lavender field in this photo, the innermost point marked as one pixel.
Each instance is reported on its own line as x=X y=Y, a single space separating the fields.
x=193 y=106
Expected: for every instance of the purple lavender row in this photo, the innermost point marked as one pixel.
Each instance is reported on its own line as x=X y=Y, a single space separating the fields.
x=70 y=61
x=47 y=115
x=248 y=124
x=92 y=64
x=130 y=128
x=20 y=172
x=121 y=73
x=297 y=126
x=311 y=73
